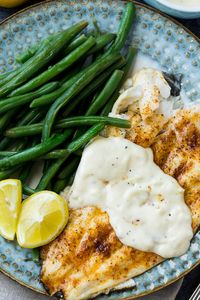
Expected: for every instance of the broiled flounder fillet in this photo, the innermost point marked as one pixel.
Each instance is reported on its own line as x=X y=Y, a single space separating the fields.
x=87 y=258
x=177 y=152
x=141 y=132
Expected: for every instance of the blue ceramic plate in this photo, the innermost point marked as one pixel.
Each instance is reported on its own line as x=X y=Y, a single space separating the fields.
x=157 y=37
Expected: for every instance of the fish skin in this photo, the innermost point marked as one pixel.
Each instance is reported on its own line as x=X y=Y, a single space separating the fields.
x=88 y=259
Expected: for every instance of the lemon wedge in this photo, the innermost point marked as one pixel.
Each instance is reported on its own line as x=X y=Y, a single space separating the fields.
x=11 y=3
x=10 y=203
x=43 y=217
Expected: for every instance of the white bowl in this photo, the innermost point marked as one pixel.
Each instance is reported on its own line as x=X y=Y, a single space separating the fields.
x=175 y=10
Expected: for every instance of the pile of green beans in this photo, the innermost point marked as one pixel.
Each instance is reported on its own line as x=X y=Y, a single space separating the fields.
x=58 y=99
x=42 y=57
x=58 y=68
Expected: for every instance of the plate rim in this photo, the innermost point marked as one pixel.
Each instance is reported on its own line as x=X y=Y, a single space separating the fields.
x=133 y=1
x=198 y=41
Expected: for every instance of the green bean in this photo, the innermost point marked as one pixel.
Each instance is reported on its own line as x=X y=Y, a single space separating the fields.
x=34 y=152
x=51 y=155
x=97 y=30
x=7 y=153
x=27 y=54
x=4 y=75
x=102 y=41
x=47 y=177
x=85 y=138
x=75 y=43
x=36 y=255
x=106 y=93
x=55 y=154
x=50 y=98
x=5 y=119
x=107 y=109
x=27 y=190
x=71 y=179
x=32 y=116
x=34 y=129
x=58 y=68
x=60 y=185
x=42 y=57
x=25 y=171
x=84 y=79
x=129 y=62
x=93 y=86
x=17 y=101
x=92 y=120
x=71 y=73
x=64 y=175
x=124 y=27
x=6 y=173
x=21 y=144
x=72 y=147
x=60 y=153
x=69 y=168
x=38 y=117
x=103 y=96
x=23 y=57
x=4 y=143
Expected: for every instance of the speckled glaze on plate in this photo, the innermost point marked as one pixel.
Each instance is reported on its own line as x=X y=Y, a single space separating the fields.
x=155 y=35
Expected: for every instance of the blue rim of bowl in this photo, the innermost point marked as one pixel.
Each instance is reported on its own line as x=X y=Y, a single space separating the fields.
x=135 y=2
x=198 y=40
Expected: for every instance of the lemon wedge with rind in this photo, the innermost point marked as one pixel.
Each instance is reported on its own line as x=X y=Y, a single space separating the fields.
x=10 y=204
x=43 y=217
x=11 y=3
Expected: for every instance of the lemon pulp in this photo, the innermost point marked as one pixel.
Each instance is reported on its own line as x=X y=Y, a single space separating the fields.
x=10 y=203
x=43 y=217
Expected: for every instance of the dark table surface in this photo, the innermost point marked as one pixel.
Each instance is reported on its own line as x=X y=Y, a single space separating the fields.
x=193 y=278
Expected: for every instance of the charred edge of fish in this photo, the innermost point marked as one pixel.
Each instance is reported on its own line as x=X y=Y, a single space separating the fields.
x=174 y=81
x=193 y=140
x=161 y=132
x=40 y=280
x=44 y=286
x=58 y=295
x=180 y=170
x=102 y=247
x=124 y=289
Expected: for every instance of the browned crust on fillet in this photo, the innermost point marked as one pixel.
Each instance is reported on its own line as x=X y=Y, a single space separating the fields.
x=88 y=258
x=89 y=247
x=177 y=152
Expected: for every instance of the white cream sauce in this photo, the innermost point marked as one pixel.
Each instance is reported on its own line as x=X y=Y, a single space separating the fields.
x=146 y=207
x=186 y=3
